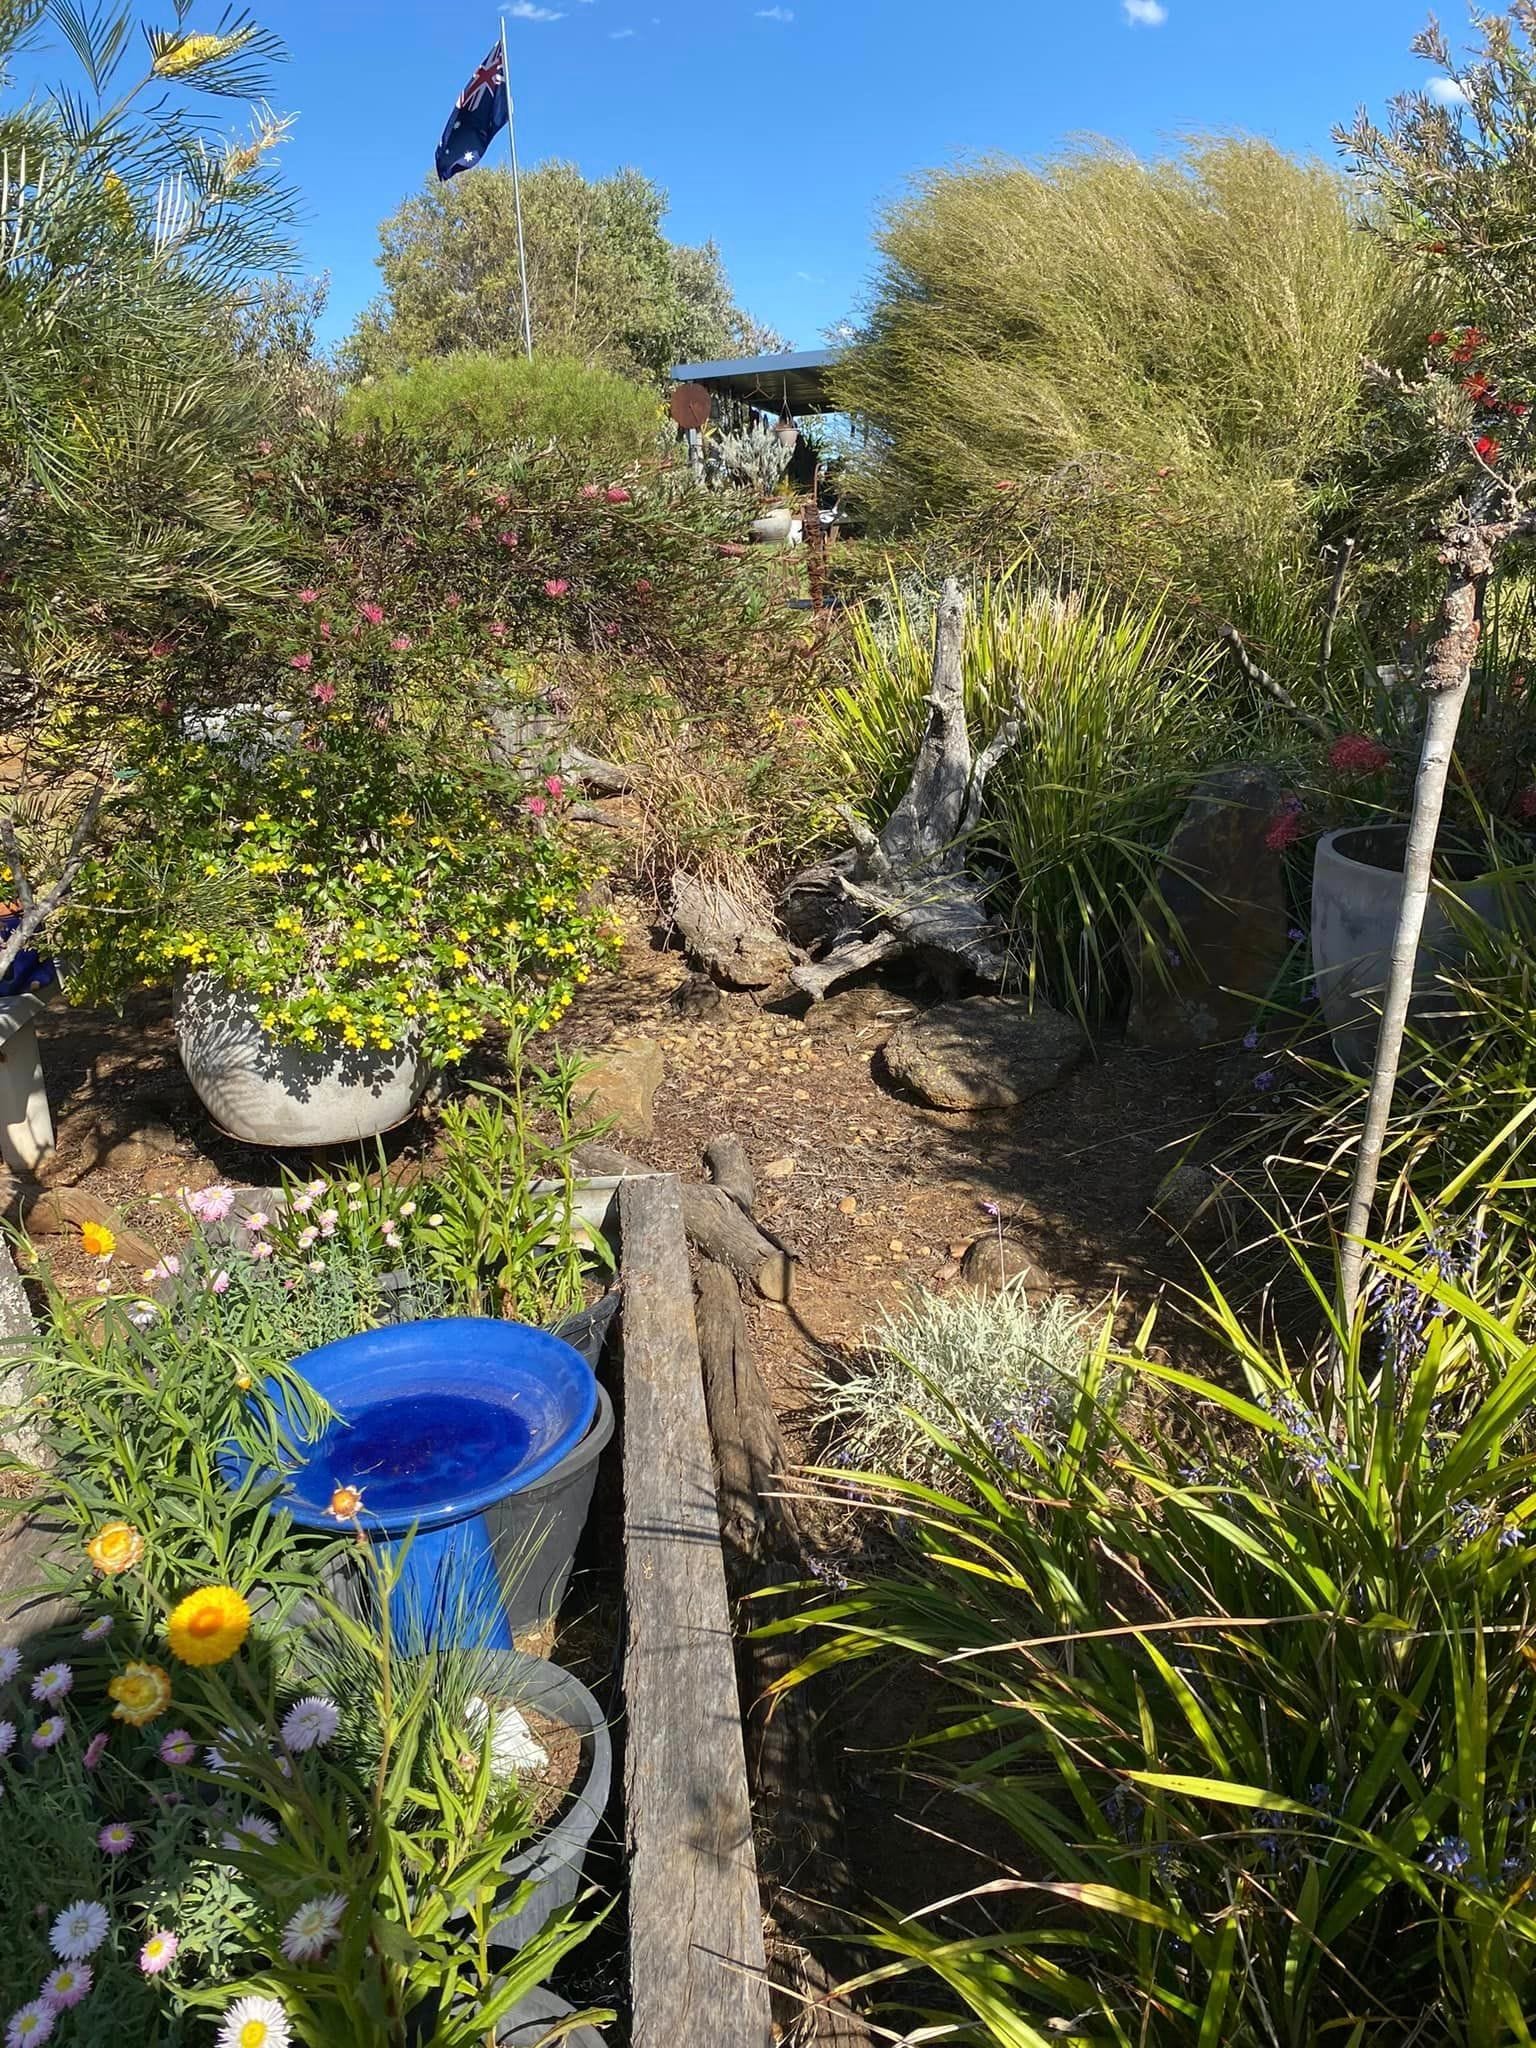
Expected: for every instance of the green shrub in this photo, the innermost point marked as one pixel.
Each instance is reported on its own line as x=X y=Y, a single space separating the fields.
x=1184 y=337
x=481 y=405
x=1117 y=718
x=1248 y=1687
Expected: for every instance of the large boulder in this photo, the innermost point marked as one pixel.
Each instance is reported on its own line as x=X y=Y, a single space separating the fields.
x=988 y=1052
x=1214 y=939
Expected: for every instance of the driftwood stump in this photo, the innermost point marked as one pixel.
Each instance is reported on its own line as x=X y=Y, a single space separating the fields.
x=724 y=936
x=715 y=1225
x=908 y=889
x=802 y=1858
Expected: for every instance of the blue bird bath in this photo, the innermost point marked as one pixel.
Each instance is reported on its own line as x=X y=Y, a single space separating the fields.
x=439 y=1424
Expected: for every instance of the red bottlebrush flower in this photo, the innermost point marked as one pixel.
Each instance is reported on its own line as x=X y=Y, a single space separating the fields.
x=1357 y=754
x=373 y=613
x=1437 y=338
x=1284 y=832
x=616 y=494
x=301 y=661
x=1471 y=341
x=1476 y=386
x=324 y=693
x=1488 y=448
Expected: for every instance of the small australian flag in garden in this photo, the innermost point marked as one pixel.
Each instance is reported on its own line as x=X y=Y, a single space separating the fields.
x=478 y=118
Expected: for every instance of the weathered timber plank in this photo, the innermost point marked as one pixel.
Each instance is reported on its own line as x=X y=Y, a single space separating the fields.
x=697 y=1963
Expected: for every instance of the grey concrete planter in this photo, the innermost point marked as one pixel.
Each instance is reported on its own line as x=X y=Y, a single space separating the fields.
x=530 y=2020
x=269 y=1094
x=775 y=525
x=1357 y=884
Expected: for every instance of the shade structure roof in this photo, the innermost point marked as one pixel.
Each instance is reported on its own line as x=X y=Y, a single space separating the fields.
x=796 y=382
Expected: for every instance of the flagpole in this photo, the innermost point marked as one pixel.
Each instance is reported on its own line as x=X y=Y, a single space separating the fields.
x=517 y=196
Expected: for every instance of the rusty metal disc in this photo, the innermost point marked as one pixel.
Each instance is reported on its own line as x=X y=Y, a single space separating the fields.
x=690 y=406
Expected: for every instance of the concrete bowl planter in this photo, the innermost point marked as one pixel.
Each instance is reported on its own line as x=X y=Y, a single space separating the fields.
x=276 y=1095
x=774 y=525
x=1357 y=884
x=529 y=2022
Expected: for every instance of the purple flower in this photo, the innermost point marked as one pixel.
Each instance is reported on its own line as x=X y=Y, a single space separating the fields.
x=1264 y=1081
x=1251 y=1039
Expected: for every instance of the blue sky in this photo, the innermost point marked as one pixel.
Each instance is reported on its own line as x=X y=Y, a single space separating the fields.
x=781 y=129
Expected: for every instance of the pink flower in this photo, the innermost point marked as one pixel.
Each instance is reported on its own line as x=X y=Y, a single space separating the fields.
x=401 y=643
x=324 y=693
x=535 y=806
x=453 y=600
x=258 y=1219
x=309 y=596
x=617 y=495
x=373 y=613
x=178 y=1748
x=1356 y=754
x=643 y=585
x=67 y=1985
x=510 y=538
x=161 y=648
x=325 y=629
x=165 y=1269
x=95 y=1750
x=219 y=1284
x=301 y=661
x=555 y=786
x=261 y=1249
x=1284 y=831
x=591 y=490
x=497 y=629
x=501 y=501
x=209 y=1205
x=115 y=1839
x=263 y=447
x=611 y=628
x=474 y=522
x=555 y=586
x=158 y=1953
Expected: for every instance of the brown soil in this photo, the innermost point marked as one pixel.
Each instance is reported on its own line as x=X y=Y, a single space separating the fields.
x=551 y=1786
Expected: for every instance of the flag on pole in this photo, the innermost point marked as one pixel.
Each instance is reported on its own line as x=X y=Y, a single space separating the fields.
x=477 y=119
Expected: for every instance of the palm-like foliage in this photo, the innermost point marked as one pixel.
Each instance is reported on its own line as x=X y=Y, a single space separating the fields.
x=1250 y=1688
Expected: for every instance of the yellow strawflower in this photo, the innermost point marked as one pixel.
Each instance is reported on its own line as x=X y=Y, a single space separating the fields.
x=209 y=1625
x=97 y=1240
x=142 y=1692
x=116 y=1547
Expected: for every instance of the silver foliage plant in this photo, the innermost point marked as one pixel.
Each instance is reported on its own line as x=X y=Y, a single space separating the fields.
x=1005 y=1364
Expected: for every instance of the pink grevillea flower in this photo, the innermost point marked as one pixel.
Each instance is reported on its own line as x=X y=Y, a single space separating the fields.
x=501 y=501
x=373 y=613
x=453 y=600
x=159 y=649
x=591 y=490
x=95 y=1750
x=474 y=522
x=116 y=1838
x=555 y=786
x=616 y=495
x=643 y=585
x=178 y=1748
x=535 y=806
x=497 y=629
x=401 y=643
x=158 y=1953
x=1357 y=754
x=324 y=693
x=325 y=629
x=511 y=538
x=67 y=1985
x=555 y=586
x=309 y=596
x=301 y=661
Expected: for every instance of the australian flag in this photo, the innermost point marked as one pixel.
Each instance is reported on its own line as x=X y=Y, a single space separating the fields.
x=477 y=119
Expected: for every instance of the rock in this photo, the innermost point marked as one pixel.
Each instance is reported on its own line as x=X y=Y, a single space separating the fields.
x=147 y=1146
x=780 y=1169
x=991 y=1262
x=59 y=1212
x=697 y=997
x=1225 y=890
x=726 y=936
x=619 y=1087
x=868 y=1013
x=1183 y=1195
x=988 y=1052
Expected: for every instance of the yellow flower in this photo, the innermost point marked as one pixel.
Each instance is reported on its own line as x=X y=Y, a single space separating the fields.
x=142 y=1692
x=190 y=53
x=97 y=1240
x=209 y=1625
x=116 y=1547
x=119 y=205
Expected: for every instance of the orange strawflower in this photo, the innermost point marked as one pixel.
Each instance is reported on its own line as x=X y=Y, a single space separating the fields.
x=346 y=1503
x=209 y=1625
x=116 y=1547
x=97 y=1240
x=142 y=1692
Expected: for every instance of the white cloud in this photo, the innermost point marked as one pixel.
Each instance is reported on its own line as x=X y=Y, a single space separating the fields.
x=524 y=10
x=775 y=14
x=1447 y=92
x=1145 y=13
x=620 y=35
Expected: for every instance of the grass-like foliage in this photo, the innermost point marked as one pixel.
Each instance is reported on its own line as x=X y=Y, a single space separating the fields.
x=1118 y=716
x=474 y=402
x=1249 y=1689
x=1199 y=321
x=1003 y=1361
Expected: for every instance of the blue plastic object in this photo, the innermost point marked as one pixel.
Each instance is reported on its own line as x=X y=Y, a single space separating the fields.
x=437 y=1423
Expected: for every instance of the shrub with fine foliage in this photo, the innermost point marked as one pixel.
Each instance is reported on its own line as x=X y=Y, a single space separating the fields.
x=471 y=403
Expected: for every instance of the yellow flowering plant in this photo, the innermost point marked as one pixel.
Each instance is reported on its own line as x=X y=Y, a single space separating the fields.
x=364 y=895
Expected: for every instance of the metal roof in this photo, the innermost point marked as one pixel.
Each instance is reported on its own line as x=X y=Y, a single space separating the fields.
x=798 y=380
